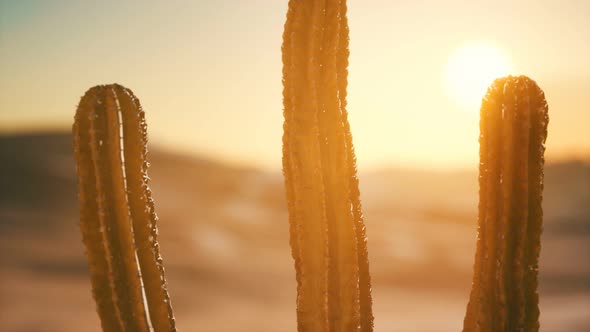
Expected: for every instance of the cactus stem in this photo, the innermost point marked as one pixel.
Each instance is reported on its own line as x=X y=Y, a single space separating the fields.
x=327 y=232
x=117 y=215
x=513 y=129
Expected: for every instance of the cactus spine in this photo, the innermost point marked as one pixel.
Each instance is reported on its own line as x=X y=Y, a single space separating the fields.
x=513 y=129
x=327 y=232
x=117 y=215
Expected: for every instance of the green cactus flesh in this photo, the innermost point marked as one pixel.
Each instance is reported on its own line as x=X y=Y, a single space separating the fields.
x=117 y=215
x=327 y=233
x=513 y=129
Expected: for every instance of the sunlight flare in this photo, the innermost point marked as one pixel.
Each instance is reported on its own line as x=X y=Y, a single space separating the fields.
x=471 y=69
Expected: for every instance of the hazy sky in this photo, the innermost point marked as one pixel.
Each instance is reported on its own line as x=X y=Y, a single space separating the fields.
x=208 y=73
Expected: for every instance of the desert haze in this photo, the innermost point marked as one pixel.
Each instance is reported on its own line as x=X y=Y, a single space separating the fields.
x=224 y=238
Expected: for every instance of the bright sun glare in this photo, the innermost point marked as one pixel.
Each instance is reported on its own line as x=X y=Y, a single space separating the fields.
x=471 y=69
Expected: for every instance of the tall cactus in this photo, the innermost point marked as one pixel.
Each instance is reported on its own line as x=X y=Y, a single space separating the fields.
x=117 y=215
x=513 y=129
x=327 y=233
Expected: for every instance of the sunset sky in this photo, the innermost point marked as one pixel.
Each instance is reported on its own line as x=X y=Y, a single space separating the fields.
x=208 y=73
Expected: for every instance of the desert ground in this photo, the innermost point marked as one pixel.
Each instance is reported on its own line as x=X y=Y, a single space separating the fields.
x=224 y=238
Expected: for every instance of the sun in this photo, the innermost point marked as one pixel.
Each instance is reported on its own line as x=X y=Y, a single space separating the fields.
x=471 y=69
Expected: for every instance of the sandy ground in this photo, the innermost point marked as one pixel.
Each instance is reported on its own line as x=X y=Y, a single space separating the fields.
x=224 y=238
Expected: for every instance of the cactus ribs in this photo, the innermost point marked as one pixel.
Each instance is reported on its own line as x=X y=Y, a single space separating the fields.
x=117 y=215
x=326 y=225
x=513 y=129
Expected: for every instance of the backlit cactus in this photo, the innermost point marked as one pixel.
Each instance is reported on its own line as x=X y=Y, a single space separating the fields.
x=327 y=232
x=513 y=129
x=117 y=215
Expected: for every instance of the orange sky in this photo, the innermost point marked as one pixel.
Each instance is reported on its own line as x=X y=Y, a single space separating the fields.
x=208 y=73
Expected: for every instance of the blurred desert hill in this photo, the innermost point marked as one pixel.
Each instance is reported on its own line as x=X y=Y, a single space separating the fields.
x=224 y=238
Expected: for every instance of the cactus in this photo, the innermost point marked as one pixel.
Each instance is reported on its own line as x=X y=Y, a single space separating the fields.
x=327 y=234
x=117 y=216
x=513 y=129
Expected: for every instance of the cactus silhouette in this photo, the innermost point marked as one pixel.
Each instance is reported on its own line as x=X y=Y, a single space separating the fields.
x=327 y=233
x=117 y=215
x=513 y=129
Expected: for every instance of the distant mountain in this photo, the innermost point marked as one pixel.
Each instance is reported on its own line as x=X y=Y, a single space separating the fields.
x=39 y=172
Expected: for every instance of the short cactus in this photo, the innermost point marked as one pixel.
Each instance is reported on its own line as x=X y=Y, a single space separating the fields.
x=117 y=215
x=513 y=129
x=327 y=232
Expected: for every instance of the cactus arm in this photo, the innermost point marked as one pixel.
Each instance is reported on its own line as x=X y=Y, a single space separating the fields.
x=320 y=175
x=109 y=180
x=127 y=276
x=513 y=129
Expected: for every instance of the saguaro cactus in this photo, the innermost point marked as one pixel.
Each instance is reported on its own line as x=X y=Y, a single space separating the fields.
x=513 y=129
x=327 y=232
x=117 y=216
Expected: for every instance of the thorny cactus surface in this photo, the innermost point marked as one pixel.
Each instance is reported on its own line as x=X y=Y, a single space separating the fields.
x=513 y=129
x=327 y=232
x=117 y=216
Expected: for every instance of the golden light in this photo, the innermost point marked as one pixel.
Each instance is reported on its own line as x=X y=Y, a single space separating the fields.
x=471 y=69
